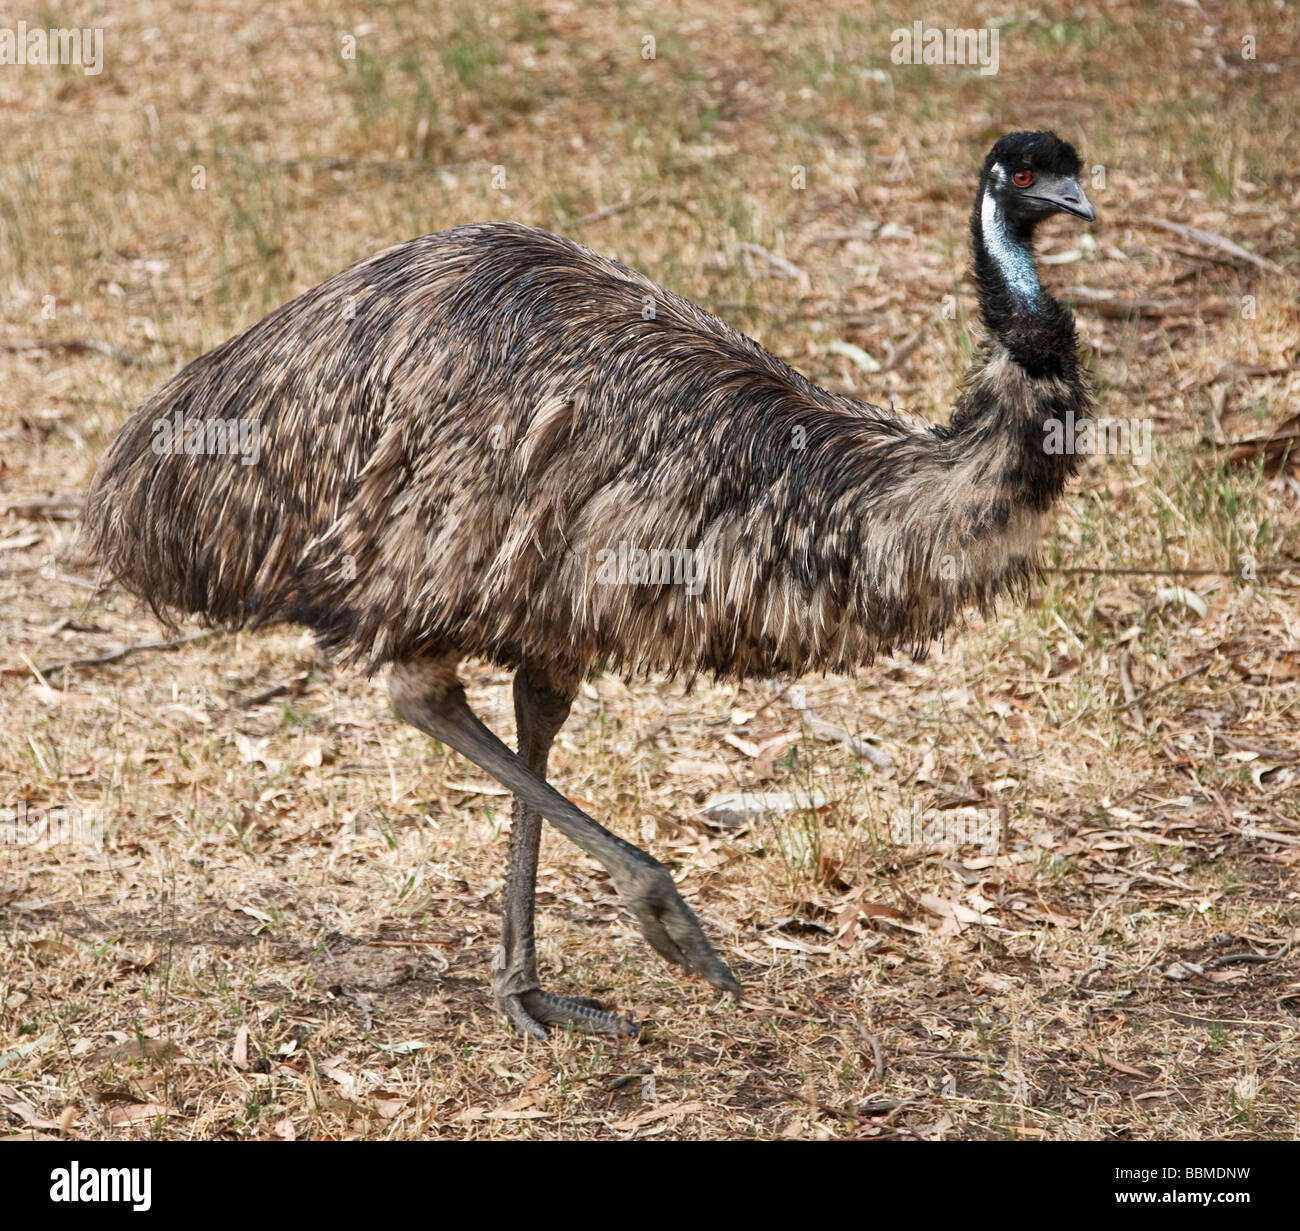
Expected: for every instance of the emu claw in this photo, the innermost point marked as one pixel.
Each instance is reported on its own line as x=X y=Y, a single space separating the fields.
x=671 y=927
x=532 y=1011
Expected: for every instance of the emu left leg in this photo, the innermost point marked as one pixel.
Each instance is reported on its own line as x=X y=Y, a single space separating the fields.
x=540 y=711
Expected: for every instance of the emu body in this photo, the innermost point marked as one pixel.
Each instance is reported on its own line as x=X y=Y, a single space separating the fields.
x=454 y=435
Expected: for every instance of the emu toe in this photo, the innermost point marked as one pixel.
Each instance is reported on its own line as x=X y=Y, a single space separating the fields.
x=531 y=1012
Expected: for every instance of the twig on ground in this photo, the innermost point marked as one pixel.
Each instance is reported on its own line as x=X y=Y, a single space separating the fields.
x=1268 y=835
x=610 y=210
x=1247 y=956
x=1111 y=304
x=73 y=346
x=1131 y=701
x=1207 y=239
x=788 y=268
x=830 y=732
x=1235 y=371
x=63 y=507
x=1124 y=571
x=876 y=1053
x=112 y=656
x=895 y=355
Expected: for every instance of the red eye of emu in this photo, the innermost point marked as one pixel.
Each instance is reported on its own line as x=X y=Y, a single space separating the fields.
x=1022 y=179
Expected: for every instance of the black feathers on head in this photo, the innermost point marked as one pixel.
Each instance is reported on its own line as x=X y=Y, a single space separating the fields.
x=1036 y=151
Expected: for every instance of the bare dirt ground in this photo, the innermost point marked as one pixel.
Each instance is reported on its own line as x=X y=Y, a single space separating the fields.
x=286 y=928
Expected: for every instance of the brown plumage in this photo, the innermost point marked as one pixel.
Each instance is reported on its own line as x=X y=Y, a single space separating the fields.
x=453 y=447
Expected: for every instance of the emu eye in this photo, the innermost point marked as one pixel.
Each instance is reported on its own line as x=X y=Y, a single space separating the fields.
x=1022 y=179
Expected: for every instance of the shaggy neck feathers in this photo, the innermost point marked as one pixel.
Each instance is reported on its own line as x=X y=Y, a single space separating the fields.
x=1030 y=373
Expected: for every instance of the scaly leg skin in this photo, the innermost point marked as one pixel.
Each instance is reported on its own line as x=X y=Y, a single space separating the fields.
x=427 y=693
x=540 y=711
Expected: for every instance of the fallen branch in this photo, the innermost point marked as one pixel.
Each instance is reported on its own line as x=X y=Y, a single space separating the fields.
x=258 y=698
x=1235 y=371
x=830 y=732
x=1267 y=835
x=1247 y=956
x=1109 y=304
x=610 y=210
x=388 y=168
x=895 y=355
x=293 y=686
x=1282 y=442
x=1159 y=688
x=1132 y=701
x=1207 y=239
x=1124 y=571
x=72 y=346
x=1095 y=1053
x=787 y=268
x=65 y=507
x=112 y=656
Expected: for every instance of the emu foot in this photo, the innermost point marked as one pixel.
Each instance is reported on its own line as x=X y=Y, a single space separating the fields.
x=669 y=924
x=532 y=1011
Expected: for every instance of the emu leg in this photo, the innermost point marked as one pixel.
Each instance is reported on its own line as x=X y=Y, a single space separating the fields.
x=540 y=711
x=427 y=693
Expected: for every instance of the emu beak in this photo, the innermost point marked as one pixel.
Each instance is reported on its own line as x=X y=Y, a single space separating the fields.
x=1063 y=193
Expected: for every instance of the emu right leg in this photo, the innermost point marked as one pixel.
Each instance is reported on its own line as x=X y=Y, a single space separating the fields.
x=427 y=693
x=540 y=712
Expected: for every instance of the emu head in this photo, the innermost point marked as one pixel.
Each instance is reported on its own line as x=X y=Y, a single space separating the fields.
x=1028 y=176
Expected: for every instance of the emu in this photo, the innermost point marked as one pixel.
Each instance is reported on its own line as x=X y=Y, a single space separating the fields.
x=454 y=434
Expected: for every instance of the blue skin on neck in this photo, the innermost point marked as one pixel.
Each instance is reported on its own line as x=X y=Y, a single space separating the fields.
x=1011 y=257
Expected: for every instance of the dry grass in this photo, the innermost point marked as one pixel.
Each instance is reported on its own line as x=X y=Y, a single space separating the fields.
x=288 y=927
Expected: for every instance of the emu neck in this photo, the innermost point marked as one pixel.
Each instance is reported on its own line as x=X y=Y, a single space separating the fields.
x=1019 y=313
x=1009 y=256
x=1030 y=375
